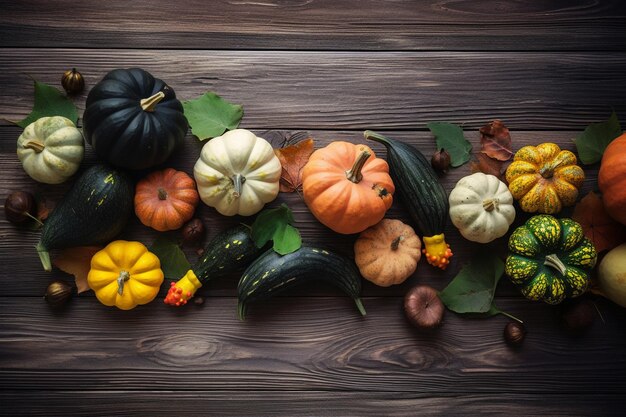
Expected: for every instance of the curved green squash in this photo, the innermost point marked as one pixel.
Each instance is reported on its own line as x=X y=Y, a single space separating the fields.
x=227 y=252
x=422 y=193
x=93 y=212
x=272 y=273
x=550 y=259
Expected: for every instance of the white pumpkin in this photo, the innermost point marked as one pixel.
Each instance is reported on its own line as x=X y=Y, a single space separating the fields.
x=237 y=173
x=481 y=207
x=51 y=149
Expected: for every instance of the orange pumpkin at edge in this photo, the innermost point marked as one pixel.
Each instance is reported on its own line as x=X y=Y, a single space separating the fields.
x=166 y=199
x=612 y=179
x=346 y=187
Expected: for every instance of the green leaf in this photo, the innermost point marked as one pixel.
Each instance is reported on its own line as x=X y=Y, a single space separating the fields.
x=174 y=263
x=450 y=137
x=472 y=290
x=596 y=137
x=276 y=225
x=210 y=115
x=49 y=101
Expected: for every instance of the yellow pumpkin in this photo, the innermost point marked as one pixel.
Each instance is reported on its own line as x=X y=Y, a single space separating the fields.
x=125 y=274
x=388 y=252
x=544 y=178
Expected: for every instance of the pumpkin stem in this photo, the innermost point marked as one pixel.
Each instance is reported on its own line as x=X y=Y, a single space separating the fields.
x=148 y=104
x=396 y=242
x=44 y=256
x=554 y=262
x=124 y=276
x=162 y=194
x=238 y=181
x=490 y=204
x=35 y=145
x=354 y=173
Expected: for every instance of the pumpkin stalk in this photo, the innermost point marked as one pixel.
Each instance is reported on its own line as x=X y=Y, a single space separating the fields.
x=124 y=276
x=148 y=104
x=490 y=204
x=354 y=174
x=396 y=242
x=238 y=181
x=35 y=145
x=162 y=194
x=554 y=262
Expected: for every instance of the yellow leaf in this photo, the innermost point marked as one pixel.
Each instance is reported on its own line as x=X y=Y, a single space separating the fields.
x=77 y=262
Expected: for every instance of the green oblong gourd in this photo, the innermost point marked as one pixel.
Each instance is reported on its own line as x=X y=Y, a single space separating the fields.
x=272 y=273
x=227 y=252
x=550 y=259
x=93 y=212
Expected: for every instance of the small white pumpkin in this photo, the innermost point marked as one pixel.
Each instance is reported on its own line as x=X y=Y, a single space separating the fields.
x=481 y=207
x=51 y=149
x=237 y=173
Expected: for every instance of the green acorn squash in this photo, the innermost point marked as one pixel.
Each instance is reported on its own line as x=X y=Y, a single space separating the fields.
x=550 y=259
x=133 y=120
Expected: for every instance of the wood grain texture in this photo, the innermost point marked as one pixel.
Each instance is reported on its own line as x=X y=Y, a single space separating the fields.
x=322 y=90
x=296 y=344
x=317 y=24
x=18 y=243
x=117 y=403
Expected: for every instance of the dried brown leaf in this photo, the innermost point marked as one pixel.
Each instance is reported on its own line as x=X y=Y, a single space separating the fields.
x=495 y=141
x=77 y=262
x=599 y=227
x=293 y=158
x=488 y=165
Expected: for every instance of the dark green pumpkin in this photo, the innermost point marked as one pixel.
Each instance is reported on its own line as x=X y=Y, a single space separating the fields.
x=272 y=273
x=133 y=120
x=93 y=212
x=550 y=259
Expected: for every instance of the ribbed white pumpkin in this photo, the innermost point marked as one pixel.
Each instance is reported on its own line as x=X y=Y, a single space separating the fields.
x=237 y=173
x=481 y=207
x=51 y=149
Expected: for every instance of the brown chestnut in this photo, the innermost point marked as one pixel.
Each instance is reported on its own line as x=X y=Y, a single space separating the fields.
x=440 y=161
x=72 y=81
x=58 y=293
x=423 y=307
x=514 y=333
x=20 y=207
x=193 y=230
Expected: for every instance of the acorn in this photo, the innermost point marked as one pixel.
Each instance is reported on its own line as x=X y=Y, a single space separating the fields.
x=440 y=161
x=514 y=333
x=58 y=293
x=72 y=81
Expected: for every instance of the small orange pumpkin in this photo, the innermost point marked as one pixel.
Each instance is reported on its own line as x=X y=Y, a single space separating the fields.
x=388 y=252
x=544 y=178
x=612 y=179
x=165 y=200
x=346 y=187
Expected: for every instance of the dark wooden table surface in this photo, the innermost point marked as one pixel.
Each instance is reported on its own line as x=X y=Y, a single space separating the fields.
x=332 y=68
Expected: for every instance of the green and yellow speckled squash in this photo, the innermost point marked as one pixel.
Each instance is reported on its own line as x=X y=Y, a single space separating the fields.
x=544 y=178
x=550 y=259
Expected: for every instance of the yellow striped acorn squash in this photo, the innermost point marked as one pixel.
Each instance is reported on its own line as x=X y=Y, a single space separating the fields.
x=550 y=259
x=544 y=178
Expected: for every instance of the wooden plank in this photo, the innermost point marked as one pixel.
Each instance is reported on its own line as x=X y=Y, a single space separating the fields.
x=311 y=90
x=291 y=403
x=17 y=245
x=313 y=343
x=316 y=25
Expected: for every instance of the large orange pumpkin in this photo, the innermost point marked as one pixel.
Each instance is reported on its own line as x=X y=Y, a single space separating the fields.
x=612 y=179
x=165 y=200
x=346 y=187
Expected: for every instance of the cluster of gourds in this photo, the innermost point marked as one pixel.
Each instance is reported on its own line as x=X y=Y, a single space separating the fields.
x=134 y=121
